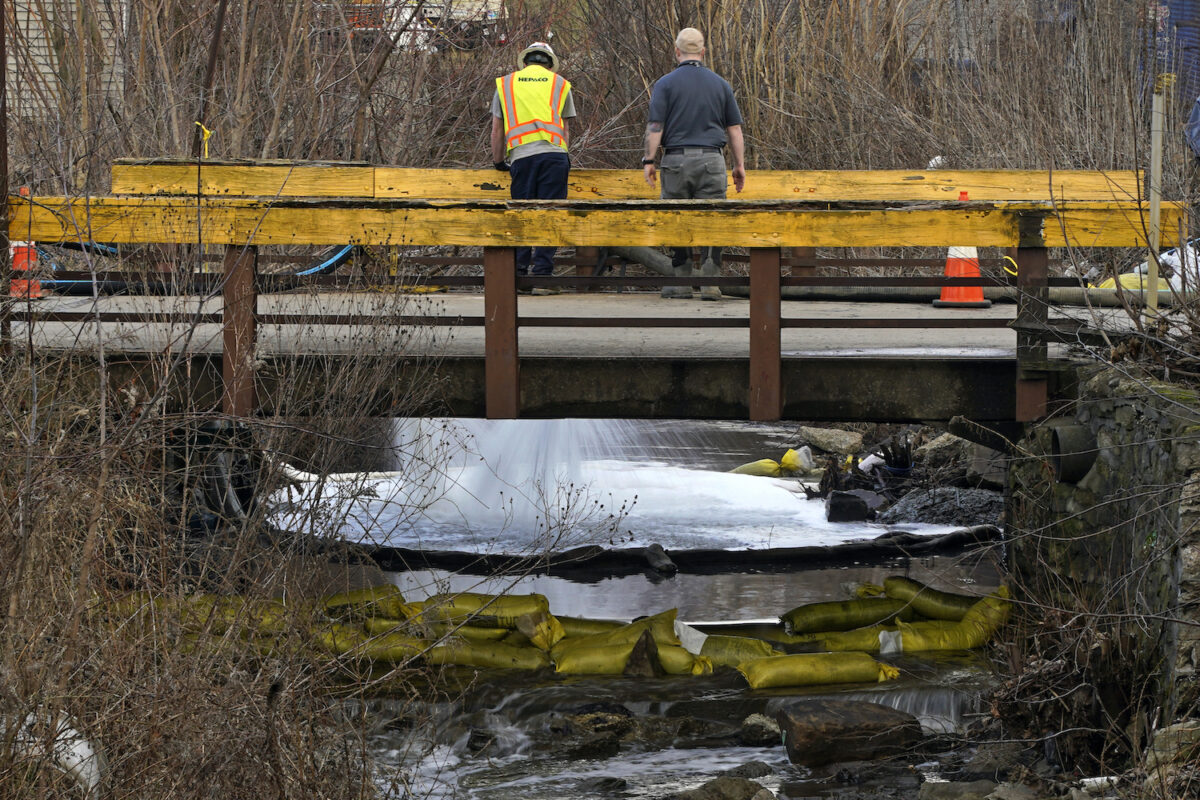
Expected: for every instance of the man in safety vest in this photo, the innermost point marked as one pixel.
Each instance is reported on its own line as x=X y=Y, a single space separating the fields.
x=530 y=135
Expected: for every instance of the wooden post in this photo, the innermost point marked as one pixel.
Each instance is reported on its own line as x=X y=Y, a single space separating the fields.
x=804 y=270
x=766 y=392
x=240 y=330
x=502 y=365
x=1033 y=296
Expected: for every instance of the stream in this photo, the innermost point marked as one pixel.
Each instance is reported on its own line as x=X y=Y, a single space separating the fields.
x=529 y=486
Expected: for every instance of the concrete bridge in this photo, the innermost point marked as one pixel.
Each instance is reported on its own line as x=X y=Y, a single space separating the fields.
x=590 y=354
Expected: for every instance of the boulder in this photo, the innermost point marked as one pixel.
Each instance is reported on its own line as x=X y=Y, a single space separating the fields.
x=726 y=788
x=1013 y=791
x=594 y=786
x=822 y=731
x=759 y=730
x=995 y=761
x=874 y=500
x=1174 y=744
x=846 y=507
x=956 y=790
x=945 y=451
x=987 y=468
x=600 y=722
x=593 y=746
x=832 y=440
x=751 y=769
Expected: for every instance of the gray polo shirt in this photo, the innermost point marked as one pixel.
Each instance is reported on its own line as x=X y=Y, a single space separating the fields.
x=695 y=105
x=540 y=146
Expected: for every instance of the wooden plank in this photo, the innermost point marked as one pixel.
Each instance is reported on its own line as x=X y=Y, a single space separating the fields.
x=239 y=180
x=301 y=179
x=682 y=223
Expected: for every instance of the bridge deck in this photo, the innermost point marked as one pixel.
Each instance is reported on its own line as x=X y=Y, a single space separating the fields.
x=870 y=373
x=297 y=337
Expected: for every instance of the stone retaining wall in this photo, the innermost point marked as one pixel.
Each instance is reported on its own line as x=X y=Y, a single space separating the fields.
x=1104 y=513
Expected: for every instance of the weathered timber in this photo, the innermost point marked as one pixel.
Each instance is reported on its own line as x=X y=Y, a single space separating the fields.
x=632 y=223
x=308 y=179
x=262 y=179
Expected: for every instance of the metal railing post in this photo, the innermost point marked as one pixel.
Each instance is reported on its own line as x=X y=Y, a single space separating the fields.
x=239 y=330
x=502 y=364
x=766 y=392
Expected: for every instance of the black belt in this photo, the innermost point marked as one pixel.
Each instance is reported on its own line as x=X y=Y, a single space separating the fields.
x=690 y=149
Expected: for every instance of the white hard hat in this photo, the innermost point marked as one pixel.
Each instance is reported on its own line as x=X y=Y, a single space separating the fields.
x=539 y=47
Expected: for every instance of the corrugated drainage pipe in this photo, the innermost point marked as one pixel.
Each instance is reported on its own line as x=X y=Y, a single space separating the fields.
x=1073 y=451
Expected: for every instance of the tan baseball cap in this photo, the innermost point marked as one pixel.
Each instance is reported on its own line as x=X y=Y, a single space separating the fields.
x=690 y=41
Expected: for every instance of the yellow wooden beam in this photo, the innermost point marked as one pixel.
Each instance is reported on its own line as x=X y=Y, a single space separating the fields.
x=238 y=180
x=650 y=223
x=338 y=180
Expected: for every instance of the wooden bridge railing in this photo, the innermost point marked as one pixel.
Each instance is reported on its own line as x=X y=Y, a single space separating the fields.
x=891 y=209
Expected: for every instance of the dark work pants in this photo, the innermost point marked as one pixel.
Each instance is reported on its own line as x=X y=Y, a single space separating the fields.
x=539 y=177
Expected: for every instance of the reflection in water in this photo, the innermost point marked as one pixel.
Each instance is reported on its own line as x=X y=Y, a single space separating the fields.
x=702 y=598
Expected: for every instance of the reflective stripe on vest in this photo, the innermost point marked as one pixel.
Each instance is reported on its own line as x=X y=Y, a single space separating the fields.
x=532 y=101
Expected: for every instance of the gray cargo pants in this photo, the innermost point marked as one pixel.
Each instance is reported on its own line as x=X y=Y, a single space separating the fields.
x=694 y=173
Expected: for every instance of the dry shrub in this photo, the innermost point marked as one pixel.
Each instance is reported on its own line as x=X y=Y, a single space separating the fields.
x=111 y=525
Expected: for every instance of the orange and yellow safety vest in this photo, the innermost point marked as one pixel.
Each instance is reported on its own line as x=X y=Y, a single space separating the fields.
x=532 y=101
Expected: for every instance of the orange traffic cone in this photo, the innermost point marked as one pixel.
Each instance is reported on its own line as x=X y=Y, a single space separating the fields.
x=962 y=262
x=23 y=257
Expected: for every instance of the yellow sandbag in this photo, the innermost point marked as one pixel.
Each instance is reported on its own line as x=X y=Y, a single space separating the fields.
x=867 y=640
x=542 y=629
x=361 y=599
x=770 y=632
x=393 y=648
x=729 y=651
x=596 y=659
x=123 y=607
x=380 y=625
x=677 y=661
x=790 y=462
x=577 y=627
x=974 y=630
x=488 y=655
x=844 y=615
x=928 y=602
x=984 y=618
x=486 y=610
x=815 y=669
x=220 y=613
x=1134 y=281
x=764 y=467
x=338 y=638
x=661 y=627
x=866 y=590
x=516 y=639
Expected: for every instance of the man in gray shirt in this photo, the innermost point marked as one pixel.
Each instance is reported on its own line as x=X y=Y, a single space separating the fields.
x=693 y=115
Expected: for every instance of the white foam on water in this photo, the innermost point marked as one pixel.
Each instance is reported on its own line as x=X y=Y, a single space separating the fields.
x=519 y=486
